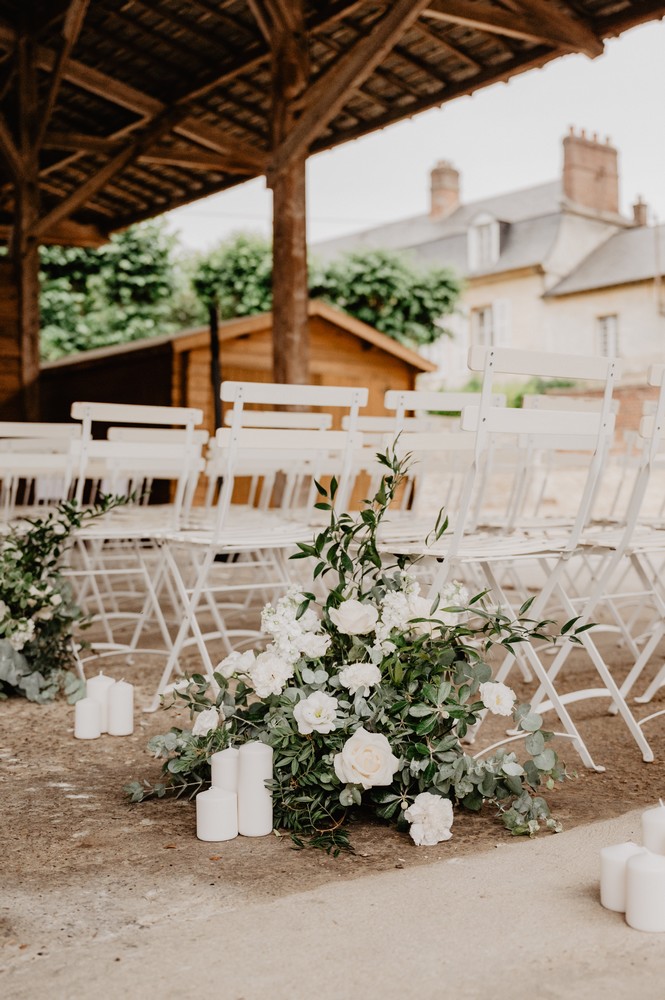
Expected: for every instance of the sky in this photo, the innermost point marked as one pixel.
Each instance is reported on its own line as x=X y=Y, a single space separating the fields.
x=505 y=137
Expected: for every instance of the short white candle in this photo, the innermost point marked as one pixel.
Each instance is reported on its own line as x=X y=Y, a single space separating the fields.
x=254 y=799
x=653 y=829
x=216 y=815
x=98 y=688
x=613 y=862
x=121 y=709
x=87 y=719
x=224 y=769
x=645 y=892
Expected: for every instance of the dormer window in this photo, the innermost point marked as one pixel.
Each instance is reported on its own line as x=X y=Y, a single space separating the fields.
x=484 y=242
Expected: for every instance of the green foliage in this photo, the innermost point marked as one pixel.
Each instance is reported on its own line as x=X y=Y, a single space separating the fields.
x=382 y=288
x=125 y=290
x=379 y=287
x=37 y=608
x=236 y=276
x=515 y=392
x=424 y=665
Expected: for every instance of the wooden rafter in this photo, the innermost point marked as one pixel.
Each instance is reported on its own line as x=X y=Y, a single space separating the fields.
x=9 y=149
x=177 y=154
x=71 y=29
x=495 y=20
x=565 y=22
x=331 y=90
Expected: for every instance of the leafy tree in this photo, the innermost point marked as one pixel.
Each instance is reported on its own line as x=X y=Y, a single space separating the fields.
x=384 y=289
x=380 y=287
x=123 y=291
x=236 y=276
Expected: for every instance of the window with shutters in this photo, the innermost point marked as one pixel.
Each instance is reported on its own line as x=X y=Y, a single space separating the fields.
x=608 y=335
x=490 y=324
x=483 y=242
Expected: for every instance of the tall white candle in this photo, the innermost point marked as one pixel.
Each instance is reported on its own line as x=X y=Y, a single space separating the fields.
x=224 y=769
x=653 y=829
x=645 y=892
x=613 y=862
x=216 y=815
x=98 y=688
x=121 y=709
x=87 y=719
x=254 y=799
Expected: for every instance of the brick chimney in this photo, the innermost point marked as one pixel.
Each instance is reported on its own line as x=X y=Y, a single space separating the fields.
x=590 y=172
x=640 y=212
x=445 y=190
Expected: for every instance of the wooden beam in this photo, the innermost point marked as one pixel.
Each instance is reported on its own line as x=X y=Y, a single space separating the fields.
x=71 y=29
x=290 y=332
x=566 y=23
x=9 y=149
x=259 y=16
x=24 y=247
x=495 y=20
x=67 y=234
x=330 y=92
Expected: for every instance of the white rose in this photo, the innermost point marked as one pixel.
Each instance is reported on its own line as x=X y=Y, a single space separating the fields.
x=236 y=663
x=366 y=759
x=359 y=676
x=431 y=817
x=316 y=714
x=269 y=674
x=205 y=722
x=354 y=618
x=498 y=698
x=314 y=645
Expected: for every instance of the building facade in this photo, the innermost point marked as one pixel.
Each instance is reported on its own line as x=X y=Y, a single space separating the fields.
x=555 y=266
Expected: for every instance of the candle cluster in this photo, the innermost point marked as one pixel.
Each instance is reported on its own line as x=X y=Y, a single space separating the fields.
x=237 y=800
x=108 y=707
x=632 y=878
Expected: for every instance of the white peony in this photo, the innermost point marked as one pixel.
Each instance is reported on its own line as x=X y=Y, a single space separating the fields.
x=354 y=618
x=431 y=817
x=497 y=697
x=359 y=676
x=366 y=759
x=316 y=714
x=269 y=674
x=314 y=645
x=205 y=722
x=236 y=663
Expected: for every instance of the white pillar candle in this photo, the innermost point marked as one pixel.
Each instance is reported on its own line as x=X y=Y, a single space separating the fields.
x=254 y=799
x=87 y=719
x=121 y=709
x=216 y=815
x=645 y=892
x=613 y=862
x=224 y=769
x=98 y=688
x=653 y=829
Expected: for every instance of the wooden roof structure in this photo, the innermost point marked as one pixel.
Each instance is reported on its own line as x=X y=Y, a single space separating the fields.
x=113 y=111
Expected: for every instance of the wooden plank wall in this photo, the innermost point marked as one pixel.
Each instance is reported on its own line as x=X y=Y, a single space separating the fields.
x=11 y=405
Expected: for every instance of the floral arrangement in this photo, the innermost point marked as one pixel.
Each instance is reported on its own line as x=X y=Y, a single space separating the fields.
x=365 y=695
x=37 y=608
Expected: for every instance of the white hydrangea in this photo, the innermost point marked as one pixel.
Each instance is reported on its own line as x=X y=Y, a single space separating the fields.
x=431 y=817
x=270 y=673
x=236 y=663
x=316 y=713
x=497 y=697
x=360 y=677
x=22 y=635
x=288 y=632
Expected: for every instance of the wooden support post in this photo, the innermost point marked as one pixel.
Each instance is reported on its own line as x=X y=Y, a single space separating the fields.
x=25 y=248
x=289 y=275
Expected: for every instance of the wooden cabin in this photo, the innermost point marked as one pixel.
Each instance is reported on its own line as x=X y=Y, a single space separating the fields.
x=176 y=369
